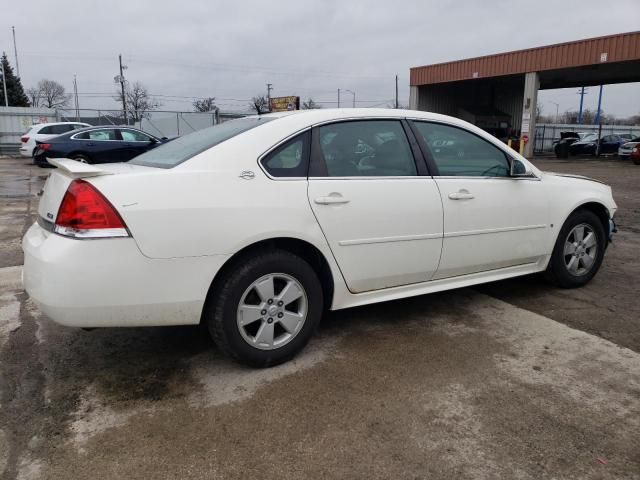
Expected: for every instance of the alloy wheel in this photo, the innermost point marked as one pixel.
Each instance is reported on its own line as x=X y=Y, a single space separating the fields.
x=272 y=311
x=580 y=249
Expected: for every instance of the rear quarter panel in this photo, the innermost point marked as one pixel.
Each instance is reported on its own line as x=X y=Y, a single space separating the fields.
x=205 y=208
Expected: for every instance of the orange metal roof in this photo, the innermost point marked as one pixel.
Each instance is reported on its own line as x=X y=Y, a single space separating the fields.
x=612 y=48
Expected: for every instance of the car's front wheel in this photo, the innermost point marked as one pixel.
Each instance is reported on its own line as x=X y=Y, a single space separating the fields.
x=265 y=309
x=579 y=250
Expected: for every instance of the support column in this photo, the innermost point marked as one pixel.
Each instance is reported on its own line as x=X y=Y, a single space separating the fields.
x=528 y=125
x=413 y=97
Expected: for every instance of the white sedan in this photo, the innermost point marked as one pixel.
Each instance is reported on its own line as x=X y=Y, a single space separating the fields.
x=256 y=226
x=43 y=132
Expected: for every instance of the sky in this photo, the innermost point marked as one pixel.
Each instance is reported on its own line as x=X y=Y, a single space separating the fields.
x=231 y=49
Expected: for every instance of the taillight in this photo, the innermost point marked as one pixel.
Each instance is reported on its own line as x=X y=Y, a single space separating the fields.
x=24 y=139
x=86 y=213
x=44 y=146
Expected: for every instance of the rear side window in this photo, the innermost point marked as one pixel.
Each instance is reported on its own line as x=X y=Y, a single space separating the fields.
x=290 y=159
x=102 y=134
x=366 y=148
x=457 y=152
x=182 y=149
x=48 y=130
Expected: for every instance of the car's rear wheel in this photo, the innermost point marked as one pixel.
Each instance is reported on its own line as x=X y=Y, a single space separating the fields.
x=81 y=158
x=579 y=250
x=265 y=309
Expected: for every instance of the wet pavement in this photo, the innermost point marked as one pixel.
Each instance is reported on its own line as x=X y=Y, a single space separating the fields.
x=506 y=381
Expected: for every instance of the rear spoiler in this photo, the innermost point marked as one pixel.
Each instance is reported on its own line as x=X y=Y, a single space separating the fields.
x=75 y=169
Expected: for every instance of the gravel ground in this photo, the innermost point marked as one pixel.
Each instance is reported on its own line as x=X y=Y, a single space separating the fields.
x=512 y=380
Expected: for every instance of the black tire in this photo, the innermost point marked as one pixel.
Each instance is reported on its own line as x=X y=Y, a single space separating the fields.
x=221 y=308
x=81 y=157
x=557 y=271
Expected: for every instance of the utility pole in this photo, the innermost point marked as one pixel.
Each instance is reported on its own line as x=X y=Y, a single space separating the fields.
x=597 y=121
x=124 y=99
x=354 y=97
x=582 y=93
x=15 y=51
x=4 y=84
x=75 y=95
x=269 y=88
x=338 y=98
x=396 y=91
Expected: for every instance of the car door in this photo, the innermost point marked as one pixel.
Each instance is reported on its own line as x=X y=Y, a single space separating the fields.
x=135 y=143
x=491 y=220
x=377 y=206
x=102 y=145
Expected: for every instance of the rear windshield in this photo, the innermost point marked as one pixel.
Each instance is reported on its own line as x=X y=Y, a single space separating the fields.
x=181 y=149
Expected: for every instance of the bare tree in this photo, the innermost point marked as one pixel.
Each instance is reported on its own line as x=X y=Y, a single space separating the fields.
x=139 y=102
x=205 y=105
x=52 y=94
x=34 y=96
x=260 y=104
x=310 y=105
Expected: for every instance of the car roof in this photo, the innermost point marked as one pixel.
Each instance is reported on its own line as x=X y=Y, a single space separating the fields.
x=47 y=124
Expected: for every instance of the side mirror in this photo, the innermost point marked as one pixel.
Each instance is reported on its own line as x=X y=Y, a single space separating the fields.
x=153 y=140
x=519 y=169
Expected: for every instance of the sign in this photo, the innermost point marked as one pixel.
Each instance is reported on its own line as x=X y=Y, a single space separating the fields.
x=283 y=104
x=603 y=57
x=525 y=126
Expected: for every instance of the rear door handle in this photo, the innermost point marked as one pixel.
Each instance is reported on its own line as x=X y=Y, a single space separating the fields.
x=461 y=195
x=91 y=144
x=331 y=200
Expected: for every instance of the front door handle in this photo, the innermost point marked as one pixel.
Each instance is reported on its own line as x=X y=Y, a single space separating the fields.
x=461 y=195
x=91 y=144
x=331 y=200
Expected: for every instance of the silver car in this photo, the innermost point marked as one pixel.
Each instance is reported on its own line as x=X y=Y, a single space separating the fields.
x=625 y=149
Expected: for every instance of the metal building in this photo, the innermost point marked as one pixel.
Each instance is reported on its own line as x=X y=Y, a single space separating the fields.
x=501 y=90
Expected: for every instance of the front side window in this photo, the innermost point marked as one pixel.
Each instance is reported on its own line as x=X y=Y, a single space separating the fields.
x=134 y=136
x=457 y=152
x=103 y=134
x=366 y=148
x=290 y=159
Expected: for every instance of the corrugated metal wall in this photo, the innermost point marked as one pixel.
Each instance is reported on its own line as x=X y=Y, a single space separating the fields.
x=14 y=121
x=449 y=98
x=618 y=48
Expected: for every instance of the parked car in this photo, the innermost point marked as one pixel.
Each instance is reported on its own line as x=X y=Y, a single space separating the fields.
x=626 y=148
x=635 y=155
x=43 y=132
x=256 y=226
x=97 y=145
x=561 y=147
x=609 y=144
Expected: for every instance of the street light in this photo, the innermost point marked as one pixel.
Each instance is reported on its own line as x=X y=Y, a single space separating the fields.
x=557 y=108
x=354 y=97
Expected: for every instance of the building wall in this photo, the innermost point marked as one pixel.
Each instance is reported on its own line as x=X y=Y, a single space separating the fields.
x=505 y=95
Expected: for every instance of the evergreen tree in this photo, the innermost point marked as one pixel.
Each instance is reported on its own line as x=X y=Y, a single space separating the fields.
x=15 y=92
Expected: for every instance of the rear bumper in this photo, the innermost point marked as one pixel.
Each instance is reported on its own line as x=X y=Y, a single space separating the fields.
x=26 y=151
x=109 y=283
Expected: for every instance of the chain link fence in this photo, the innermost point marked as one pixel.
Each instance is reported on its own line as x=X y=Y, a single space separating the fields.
x=14 y=121
x=547 y=134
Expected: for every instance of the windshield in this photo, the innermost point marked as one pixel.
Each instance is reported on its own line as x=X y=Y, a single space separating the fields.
x=181 y=149
x=591 y=137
